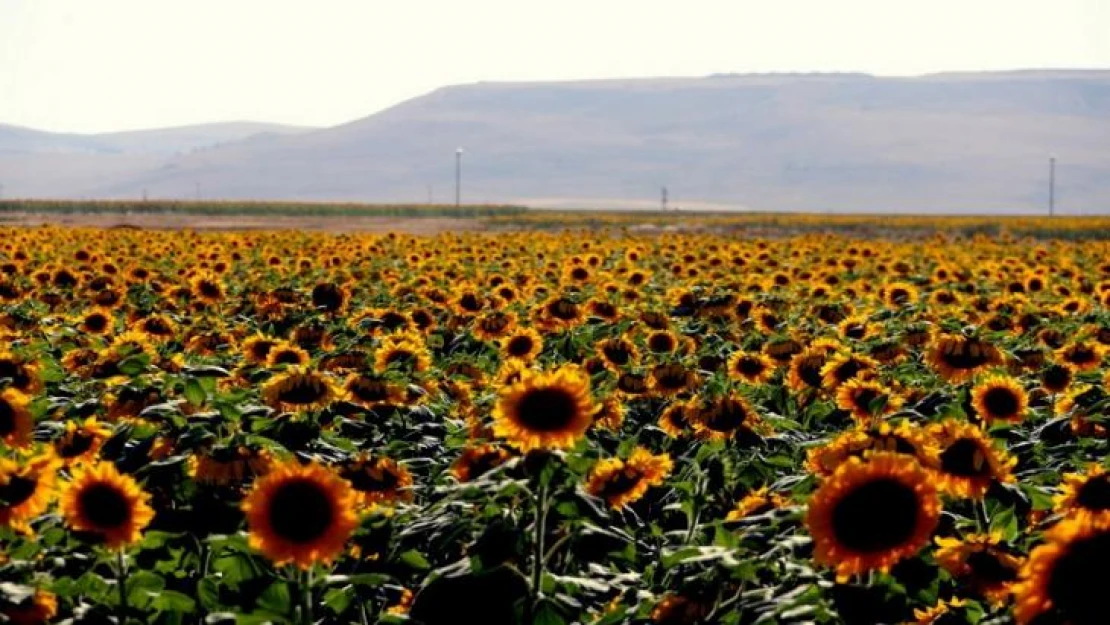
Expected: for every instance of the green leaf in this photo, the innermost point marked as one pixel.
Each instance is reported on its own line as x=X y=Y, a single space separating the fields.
x=194 y=392
x=134 y=365
x=548 y=614
x=1006 y=522
x=236 y=568
x=416 y=560
x=339 y=599
x=276 y=598
x=142 y=586
x=173 y=601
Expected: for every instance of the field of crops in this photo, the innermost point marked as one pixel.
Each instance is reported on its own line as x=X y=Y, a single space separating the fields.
x=552 y=428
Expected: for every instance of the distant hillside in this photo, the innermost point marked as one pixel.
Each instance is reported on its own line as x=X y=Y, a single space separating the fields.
x=160 y=141
x=961 y=142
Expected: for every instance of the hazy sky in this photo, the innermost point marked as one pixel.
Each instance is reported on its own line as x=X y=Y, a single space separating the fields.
x=84 y=66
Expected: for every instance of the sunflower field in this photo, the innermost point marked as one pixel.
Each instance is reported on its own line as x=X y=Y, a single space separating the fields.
x=553 y=427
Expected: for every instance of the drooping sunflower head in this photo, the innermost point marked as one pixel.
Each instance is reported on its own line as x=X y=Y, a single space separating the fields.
x=959 y=358
x=724 y=417
x=26 y=489
x=256 y=349
x=300 y=514
x=329 y=297
x=1085 y=493
x=81 y=442
x=999 y=398
x=299 y=390
x=1064 y=580
x=618 y=352
x=477 y=460
x=23 y=372
x=224 y=465
x=157 y=327
x=545 y=409
x=16 y=421
x=103 y=502
x=758 y=501
x=377 y=480
x=283 y=353
x=493 y=325
x=872 y=513
x=805 y=368
x=404 y=352
x=981 y=563
x=372 y=390
x=903 y=438
x=945 y=611
x=672 y=379
x=845 y=366
x=969 y=461
x=621 y=482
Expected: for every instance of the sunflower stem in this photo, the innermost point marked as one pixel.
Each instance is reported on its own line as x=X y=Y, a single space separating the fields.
x=307 y=608
x=537 y=546
x=121 y=574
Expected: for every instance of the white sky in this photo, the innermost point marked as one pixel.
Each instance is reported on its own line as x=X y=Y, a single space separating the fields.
x=93 y=66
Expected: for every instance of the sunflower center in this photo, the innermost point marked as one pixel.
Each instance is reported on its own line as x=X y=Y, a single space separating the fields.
x=1000 y=402
x=547 y=409
x=96 y=323
x=750 y=367
x=327 y=296
x=7 y=418
x=104 y=506
x=1056 y=377
x=876 y=516
x=300 y=512
x=661 y=343
x=302 y=391
x=864 y=396
x=965 y=458
x=1078 y=581
x=617 y=353
x=727 y=416
x=855 y=331
x=621 y=482
x=968 y=355
x=671 y=377
x=287 y=357
x=77 y=444
x=631 y=383
x=18 y=490
x=563 y=309
x=809 y=371
x=990 y=568
x=1081 y=355
x=848 y=370
x=209 y=289
x=399 y=356
x=520 y=345
x=1094 y=494
x=369 y=390
x=15 y=372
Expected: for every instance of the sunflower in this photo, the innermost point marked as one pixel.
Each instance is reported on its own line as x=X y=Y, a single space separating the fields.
x=959 y=358
x=758 y=501
x=999 y=398
x=724 y=418
x=97 y=320
x=493 y=325
x=207 y=288
x=158 y=328
x=805 y=368
x=1081 y=356
x=622 y=482
x=857 y=328
x=23 y=373
x=404 y=351
x=37 y=609
x=26 y=490
x=477 y=460
x=102 y=501
x=522 y=344
x=81 y=442
x=751 y=367
x=968 y=461
x=673 y=420
x=672 y=378
x=16 y=421
x=299 y=390
x=545 y=409
x=329 y=297
x=283 y=353
x=1085 y=493
x=944 y=612
x=1064 y=579
x=1080 y=404
x=980 y=564
x=377 y=480
x=662 y=342
x=675 y=609
x=617 y=352
x=610 y=414
x=372 y=391
x=229 y=465
x=256 y=349
x=845 y=366
x=867 y=399
x=871 y=514
x=904 y=438
x=898 y=294
x=1055 y=378
x=302 y=514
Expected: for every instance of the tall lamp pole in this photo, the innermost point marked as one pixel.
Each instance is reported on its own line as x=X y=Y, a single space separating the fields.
x=458 y=177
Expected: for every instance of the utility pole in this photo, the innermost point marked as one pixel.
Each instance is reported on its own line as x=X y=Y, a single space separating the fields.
x=144 y=195
x=458 y=177
x=1051 y=186
x=663 y=200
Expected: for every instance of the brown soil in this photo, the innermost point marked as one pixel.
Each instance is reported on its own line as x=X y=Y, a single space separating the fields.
x=425 y=225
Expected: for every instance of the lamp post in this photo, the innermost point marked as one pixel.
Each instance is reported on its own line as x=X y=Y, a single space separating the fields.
x=458 y=177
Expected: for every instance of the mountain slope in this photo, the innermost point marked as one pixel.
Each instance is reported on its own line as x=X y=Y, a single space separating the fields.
x=840 y=142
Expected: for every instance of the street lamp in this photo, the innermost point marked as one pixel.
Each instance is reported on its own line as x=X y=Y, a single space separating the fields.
x=458 y=177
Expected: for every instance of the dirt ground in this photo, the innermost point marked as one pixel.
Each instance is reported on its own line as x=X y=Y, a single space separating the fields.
x=424 y=225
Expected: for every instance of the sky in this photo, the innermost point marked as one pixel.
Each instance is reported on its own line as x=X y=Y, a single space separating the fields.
x=78 y=66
